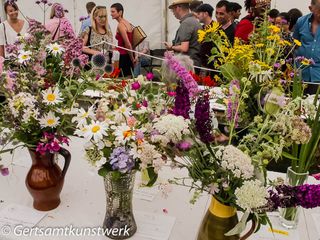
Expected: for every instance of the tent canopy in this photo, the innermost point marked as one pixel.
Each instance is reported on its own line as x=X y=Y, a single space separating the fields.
x=157 y=21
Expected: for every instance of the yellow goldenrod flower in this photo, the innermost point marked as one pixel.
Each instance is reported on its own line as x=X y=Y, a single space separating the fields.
x=269 y=51
x=297 y=42
x=274 y=29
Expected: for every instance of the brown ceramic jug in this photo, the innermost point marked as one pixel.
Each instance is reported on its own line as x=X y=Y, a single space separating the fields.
x=45 y=179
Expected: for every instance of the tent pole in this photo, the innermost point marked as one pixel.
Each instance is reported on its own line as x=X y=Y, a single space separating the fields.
x=166 y=30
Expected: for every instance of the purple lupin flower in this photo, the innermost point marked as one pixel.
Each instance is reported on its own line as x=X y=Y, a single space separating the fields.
x=203 y=119
x=182 y=103
x=183 y=74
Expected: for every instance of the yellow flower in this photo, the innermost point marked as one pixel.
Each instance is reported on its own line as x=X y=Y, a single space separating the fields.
x=274 y=29
x=297 y=42
x=269 y=51
x=287 y=43
x=259 y=45
x=305 y=62
x=201 y=35
x=273 y=37
x=212 y=28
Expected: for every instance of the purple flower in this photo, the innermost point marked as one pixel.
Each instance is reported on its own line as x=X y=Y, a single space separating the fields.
x=82 y=18
x=135 y=86
x=4 y=171
x=306 y=196
x=182 y=103
x=149 y=76
x=145 y=103
x=121 y=160
x=277 y=65
x=183 y=74
x=184 y=145
x=203 y=118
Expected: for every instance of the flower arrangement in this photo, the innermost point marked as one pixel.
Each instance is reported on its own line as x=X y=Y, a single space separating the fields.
x=231 y=170
x=119 y=131
x=41 y=87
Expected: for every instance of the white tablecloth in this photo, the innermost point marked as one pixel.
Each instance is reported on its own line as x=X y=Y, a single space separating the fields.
x=83 y=200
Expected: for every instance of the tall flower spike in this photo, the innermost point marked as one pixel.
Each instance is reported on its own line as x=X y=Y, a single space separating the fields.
x=183 y=74
x=182 y=102
x=203 y=119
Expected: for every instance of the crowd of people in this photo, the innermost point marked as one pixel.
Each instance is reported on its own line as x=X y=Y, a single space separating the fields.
x=193 y=15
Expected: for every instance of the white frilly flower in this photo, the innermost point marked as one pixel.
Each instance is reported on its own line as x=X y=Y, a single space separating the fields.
x=251 y=195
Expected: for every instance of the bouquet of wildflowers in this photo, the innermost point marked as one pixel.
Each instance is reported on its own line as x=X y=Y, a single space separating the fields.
x=42 y=82
x=216 y=164
x=118 y=128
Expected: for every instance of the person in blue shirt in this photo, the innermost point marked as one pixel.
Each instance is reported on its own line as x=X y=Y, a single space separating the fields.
x=307 y=31
x=87 y=22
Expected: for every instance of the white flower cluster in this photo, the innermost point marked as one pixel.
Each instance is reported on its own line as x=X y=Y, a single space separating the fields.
x=171 y=128
x=21 y=102
x=251 y=195
x=148 y=155
x=236 y=161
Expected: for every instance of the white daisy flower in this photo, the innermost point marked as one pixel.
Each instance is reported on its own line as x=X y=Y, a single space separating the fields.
x=52 y=98
x=81 y=131
x=96 y=130
x=24 y=56
x=124 y=133
x=123 y=109
x=55 y=49
x=82 y=116
x=50 y=120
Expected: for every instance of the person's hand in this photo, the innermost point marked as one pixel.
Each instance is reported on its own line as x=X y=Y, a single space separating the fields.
x=168 y=45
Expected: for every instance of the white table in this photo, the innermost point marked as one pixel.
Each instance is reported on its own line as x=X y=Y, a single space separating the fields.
x=83 y=200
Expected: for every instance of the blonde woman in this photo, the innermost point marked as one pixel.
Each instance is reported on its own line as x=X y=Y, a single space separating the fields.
x=59 y=25
x=99 y=32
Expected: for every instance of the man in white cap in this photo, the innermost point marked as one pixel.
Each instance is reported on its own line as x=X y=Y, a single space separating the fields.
x=186 y=39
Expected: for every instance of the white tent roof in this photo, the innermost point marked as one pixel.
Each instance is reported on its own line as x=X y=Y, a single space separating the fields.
x=149 y=14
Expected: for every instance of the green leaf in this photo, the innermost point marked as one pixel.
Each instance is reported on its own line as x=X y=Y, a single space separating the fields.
x=103 y=172
x=231 y=71
x=152 y=177
x=289 y=156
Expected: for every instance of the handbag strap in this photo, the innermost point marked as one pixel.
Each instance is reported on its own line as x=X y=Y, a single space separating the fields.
x=56 y=31
x=5 y=33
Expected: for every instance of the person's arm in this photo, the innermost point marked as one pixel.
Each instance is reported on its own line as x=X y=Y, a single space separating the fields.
x=85 y=49
x=2 y=41
x=296 y=33
x=127 y=44
x=2 y=51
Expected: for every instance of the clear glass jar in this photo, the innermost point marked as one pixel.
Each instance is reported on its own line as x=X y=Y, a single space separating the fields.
x=119 y=222
x=289 y=217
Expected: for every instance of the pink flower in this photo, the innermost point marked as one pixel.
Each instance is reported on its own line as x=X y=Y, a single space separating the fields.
x=171 y=94
x=149 y=76
x=135 y=86
x=131 y=121
x=316 y=176
x=4 y=171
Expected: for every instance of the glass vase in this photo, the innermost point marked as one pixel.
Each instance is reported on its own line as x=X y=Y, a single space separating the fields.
x=119 y=222
x=289 y=217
